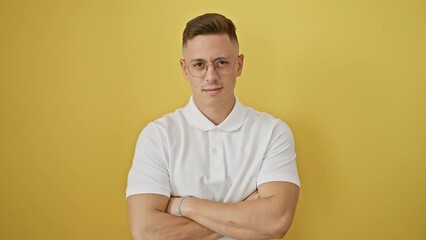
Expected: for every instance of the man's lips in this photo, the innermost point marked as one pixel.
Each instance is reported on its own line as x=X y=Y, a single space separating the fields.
x=212 y=89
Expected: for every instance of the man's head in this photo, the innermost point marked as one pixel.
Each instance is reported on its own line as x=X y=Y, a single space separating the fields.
x=211 y=61
x=209 y=24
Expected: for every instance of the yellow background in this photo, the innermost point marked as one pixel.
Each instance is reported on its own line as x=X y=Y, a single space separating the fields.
x=80 y=79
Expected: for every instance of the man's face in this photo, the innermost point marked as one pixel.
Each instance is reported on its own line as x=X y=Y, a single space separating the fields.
x=215 y=89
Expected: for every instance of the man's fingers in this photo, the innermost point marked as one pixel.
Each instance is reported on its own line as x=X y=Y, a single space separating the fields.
x=172 y=206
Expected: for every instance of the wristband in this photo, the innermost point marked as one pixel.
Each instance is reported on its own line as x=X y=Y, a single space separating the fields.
x=179 y=208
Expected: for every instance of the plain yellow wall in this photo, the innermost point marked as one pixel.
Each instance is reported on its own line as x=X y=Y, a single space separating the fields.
x=80 y=79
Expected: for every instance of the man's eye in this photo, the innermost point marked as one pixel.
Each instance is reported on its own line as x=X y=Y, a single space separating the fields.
x=222 y=63
x=198 y=65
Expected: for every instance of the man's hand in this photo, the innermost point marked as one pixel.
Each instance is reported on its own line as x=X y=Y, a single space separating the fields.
x=267 y=213
x=148 y=220
x=253 y=196
x=172 y=207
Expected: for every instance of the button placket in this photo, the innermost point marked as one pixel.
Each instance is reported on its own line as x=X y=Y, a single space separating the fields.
x=215 y=152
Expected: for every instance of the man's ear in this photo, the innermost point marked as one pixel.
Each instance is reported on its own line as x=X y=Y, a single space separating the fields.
x=183 y=68
x=240 y=63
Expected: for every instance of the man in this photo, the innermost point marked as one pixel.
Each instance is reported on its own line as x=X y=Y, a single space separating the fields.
x=215 y=168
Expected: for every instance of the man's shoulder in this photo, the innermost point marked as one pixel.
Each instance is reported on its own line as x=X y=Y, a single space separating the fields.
x=265 y=121
x=168 y=120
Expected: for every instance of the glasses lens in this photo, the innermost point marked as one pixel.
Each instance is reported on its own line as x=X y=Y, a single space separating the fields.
x=197 y=69
x=221 y=66
x=224 y=66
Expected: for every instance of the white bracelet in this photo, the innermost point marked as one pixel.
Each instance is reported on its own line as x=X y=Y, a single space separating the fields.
x=179 y=208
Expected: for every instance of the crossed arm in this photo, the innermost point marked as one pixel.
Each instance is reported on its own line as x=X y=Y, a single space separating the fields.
x=266 y=214
x=149 y=220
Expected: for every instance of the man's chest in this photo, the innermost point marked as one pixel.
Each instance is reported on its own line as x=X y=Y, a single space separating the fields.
x=215 y=165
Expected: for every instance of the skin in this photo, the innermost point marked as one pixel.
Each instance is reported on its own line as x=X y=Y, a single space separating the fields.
x=150 y=218
x=267 y=213
x=265 y=216
x=215 y=105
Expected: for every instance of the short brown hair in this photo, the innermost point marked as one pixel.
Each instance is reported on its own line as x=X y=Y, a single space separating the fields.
x=209 y=23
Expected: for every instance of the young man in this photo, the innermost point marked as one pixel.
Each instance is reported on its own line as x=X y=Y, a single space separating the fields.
x=215 y=168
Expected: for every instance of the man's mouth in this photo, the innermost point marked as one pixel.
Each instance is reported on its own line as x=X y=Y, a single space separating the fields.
x=212 y=90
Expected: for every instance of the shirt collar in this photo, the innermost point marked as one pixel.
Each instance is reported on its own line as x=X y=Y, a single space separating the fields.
x=231 y=123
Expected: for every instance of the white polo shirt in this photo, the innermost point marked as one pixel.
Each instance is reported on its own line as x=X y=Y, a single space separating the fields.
x=185 y=154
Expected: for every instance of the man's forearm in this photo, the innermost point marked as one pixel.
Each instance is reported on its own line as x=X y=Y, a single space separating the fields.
x=264 y=218
x=165 y=226
x=244 y=220
x=148 y=220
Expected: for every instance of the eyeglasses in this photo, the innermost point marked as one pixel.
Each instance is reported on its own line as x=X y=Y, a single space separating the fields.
x=223 y=66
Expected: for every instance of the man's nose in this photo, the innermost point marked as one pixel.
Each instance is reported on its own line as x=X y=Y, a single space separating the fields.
x=211 y=74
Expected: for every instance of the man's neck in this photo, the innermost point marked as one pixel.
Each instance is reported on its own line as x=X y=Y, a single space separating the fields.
x=217 y=114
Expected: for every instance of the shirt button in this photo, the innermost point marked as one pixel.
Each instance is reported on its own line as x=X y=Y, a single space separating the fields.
x=214 y=151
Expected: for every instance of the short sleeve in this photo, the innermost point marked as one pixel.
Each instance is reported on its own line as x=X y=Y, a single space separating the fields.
x=149 y=171
x=279 y=163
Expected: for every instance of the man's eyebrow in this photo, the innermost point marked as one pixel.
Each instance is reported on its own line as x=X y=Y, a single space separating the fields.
x=222 y=58
x=198 y=60
x=214 y=60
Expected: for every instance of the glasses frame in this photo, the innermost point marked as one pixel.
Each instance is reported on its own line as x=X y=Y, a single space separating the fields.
x=207 y=67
